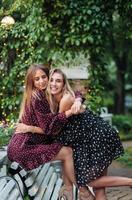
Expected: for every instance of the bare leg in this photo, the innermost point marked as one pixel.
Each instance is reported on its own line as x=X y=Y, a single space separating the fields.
x=100 y=192
x=66 y=156
x=110 y=181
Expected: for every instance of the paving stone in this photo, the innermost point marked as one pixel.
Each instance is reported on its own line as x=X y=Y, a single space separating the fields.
x=119 y=193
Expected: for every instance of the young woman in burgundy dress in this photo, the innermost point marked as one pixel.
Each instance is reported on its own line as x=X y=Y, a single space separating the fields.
x=94 y=142
x=33 y=149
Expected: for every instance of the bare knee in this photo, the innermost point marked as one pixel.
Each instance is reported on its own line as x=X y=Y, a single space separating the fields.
x=67 y=151
x=64 y=154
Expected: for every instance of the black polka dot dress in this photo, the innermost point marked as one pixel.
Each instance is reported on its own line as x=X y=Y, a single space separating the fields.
x=94 y=142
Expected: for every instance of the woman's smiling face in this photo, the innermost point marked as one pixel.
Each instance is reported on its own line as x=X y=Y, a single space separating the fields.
x=40 y=80
x=56 y=84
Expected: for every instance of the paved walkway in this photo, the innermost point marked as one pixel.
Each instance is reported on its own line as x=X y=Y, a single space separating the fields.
x=116 y=169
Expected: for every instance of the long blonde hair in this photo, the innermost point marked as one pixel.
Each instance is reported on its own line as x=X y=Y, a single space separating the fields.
x=29 y=88
x=66 y=89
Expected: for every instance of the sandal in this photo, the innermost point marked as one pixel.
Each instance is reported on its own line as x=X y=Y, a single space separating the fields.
x=86 y=195
x=65 y=193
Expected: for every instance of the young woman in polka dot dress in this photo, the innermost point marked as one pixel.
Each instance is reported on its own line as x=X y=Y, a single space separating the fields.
x=94 y=142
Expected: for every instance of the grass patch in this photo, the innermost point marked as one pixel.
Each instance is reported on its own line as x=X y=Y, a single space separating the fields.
x=26 y=198
x=126 y=159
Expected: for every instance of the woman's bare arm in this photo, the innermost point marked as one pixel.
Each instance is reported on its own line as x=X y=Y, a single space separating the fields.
x=65 y=106
x=66 y=103
x=23 y=128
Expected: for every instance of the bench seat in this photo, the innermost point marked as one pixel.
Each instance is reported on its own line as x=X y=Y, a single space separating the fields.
x=42 y=183
x=9 y=189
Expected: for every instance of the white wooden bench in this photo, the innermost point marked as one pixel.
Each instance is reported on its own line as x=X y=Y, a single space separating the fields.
x=9 y=189
x=42 y=183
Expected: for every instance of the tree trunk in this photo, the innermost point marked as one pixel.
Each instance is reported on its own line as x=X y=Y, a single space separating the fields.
x=121 y=63
x=120 y=93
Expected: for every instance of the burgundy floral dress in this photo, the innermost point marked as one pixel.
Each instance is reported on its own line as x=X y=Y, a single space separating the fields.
x=32 y=150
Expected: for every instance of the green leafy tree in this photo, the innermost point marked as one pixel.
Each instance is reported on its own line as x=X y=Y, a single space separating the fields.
x=48 y=31
x=119 y=49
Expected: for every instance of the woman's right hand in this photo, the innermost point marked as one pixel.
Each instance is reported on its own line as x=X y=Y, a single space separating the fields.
x=23 y=128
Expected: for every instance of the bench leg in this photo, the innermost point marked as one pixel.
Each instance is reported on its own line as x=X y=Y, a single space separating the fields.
x=75 y=192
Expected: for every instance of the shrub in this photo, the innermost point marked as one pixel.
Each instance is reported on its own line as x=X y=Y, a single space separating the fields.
x=5 y=135
x=123 y=123
x=126 y=159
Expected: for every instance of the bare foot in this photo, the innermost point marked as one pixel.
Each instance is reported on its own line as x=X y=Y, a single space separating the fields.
x=66 y=193
x=85 y=194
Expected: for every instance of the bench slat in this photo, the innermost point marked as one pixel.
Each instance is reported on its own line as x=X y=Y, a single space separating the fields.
x=6 y=190
x=2 y=183
x=44 y=184
x=19 y=198
x=50 y=187
x=42 y=175
x=14 y=194
x=56 y=189
x=32 y=177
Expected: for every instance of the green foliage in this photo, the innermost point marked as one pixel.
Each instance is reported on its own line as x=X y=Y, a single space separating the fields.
x=96 y=88
x=118 y=49
x=126 y=159
x=26 y=198
x=5 y=134
x=93 y=98
x=124 y=125
x=47 y=32
x=124 y=136
x=108 y=101
x=123 y=122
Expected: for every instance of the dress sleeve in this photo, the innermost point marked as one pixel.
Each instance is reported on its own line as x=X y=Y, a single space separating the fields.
x=78 y=94
x=50 y=123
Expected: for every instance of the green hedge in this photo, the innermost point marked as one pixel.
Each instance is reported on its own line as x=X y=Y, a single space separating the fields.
x=124 y=125
x=123 y=122
x=5 y=135
x=126 y=159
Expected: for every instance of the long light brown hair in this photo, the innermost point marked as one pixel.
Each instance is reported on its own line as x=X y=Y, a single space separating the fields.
x=29 y=88
x=66 y=89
